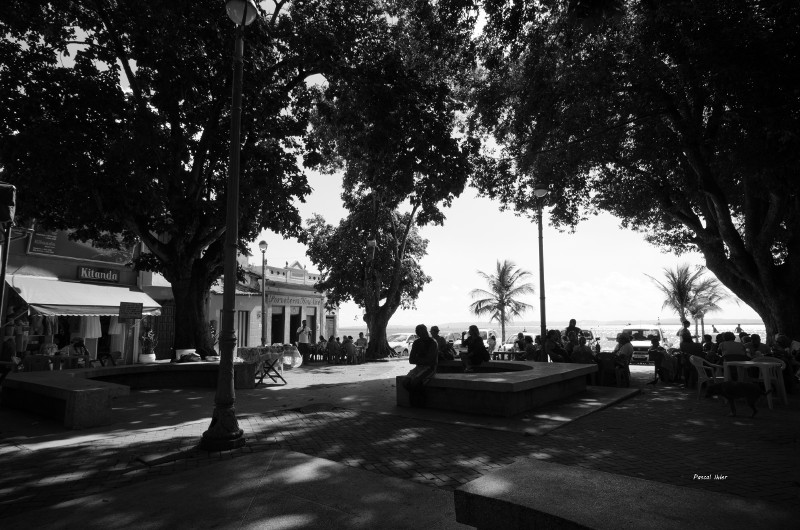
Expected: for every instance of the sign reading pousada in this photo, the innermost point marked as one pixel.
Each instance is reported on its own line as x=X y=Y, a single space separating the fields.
x=98 y=275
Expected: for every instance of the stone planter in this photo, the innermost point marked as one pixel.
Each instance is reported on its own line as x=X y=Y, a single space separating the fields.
x=145 y=358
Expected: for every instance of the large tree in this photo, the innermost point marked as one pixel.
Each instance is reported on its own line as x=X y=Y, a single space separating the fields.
x=394 y=132
x=380 y=280
x=115 y=118
x=679 y=117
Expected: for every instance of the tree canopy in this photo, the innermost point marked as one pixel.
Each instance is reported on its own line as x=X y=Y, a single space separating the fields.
x=395 y=133
x=350 y=272
x=115 y=118
x=678 y=117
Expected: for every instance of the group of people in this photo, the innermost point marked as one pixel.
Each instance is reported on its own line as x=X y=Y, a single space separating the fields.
x=725 y=346
x=338 y=350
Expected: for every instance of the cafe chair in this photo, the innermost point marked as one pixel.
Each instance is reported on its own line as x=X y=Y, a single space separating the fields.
x=706 y=372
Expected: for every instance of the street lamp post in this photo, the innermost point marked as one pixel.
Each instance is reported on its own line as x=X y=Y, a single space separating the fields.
x=540 y=195
x=263 y=246
x=224 y=432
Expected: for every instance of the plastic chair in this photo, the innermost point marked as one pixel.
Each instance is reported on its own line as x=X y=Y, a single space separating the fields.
x=706 y=372
x=775 y=374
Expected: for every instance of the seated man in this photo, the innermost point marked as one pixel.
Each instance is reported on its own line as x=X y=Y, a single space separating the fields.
x=333 y=350
x=755 y=348
x=582 y=354
x=424 y=356
x=687 y=349
x=665 y=363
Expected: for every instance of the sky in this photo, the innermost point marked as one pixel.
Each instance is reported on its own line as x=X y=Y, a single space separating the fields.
x=598 y=273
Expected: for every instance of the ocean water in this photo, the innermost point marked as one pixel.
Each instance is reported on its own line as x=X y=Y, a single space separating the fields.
x=606 y=333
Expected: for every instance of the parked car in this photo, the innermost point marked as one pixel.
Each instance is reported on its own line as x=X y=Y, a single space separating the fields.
x=401 y=343
x=508 y=345
x=640 y=340
x=453 y=338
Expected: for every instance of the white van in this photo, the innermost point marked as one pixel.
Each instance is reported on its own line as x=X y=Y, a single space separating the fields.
x=640 y=340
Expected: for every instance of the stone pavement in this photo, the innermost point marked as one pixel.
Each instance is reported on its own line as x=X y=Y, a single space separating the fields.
x=346 y=414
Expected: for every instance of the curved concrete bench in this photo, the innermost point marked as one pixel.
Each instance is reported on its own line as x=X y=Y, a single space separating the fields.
x=82 y=397
x=170 y=375
x=507 y=388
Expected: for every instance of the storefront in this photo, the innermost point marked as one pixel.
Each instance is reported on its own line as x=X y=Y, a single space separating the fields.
x=60 y=290
x=290 y=298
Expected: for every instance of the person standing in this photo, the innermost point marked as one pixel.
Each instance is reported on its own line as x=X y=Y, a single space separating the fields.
x=573 y=326
x=685 y=333
x=303 y=334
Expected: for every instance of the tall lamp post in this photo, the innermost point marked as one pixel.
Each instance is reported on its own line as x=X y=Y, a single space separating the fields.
x=224 y=432
x=263 y=246
x=540 y=195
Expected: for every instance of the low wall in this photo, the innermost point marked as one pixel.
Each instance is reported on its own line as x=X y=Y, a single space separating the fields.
x=523 y=386
x=170 y=375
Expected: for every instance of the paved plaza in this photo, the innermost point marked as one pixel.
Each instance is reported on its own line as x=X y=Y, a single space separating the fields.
x=346 y=415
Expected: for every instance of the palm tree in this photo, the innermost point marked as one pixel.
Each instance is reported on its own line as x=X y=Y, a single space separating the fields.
x=678 y=287
x=500 y=301
x=687 y=290
x=706 y=298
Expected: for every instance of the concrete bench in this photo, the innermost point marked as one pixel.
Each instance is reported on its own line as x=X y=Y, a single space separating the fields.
x=499 y=388
x=82 y=397
x=77 y=402
x=532 y=493
x=170 y=375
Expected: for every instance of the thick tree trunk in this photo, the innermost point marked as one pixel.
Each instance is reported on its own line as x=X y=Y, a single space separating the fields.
x=191 y=315
x=775 y=297
x=377 y=321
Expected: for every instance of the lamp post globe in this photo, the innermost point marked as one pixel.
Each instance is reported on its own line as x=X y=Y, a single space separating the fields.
x=224 y=433
x=540 y=194
x=238 y=9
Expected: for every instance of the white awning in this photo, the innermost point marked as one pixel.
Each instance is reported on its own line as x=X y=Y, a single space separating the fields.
x=52 y=297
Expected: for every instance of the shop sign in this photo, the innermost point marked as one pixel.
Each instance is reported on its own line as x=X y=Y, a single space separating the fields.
x=94 y=274
x=291 y=300
x=130 y=310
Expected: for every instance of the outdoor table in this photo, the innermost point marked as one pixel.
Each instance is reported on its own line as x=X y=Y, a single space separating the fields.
x=767 y=371
x=268 y=362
